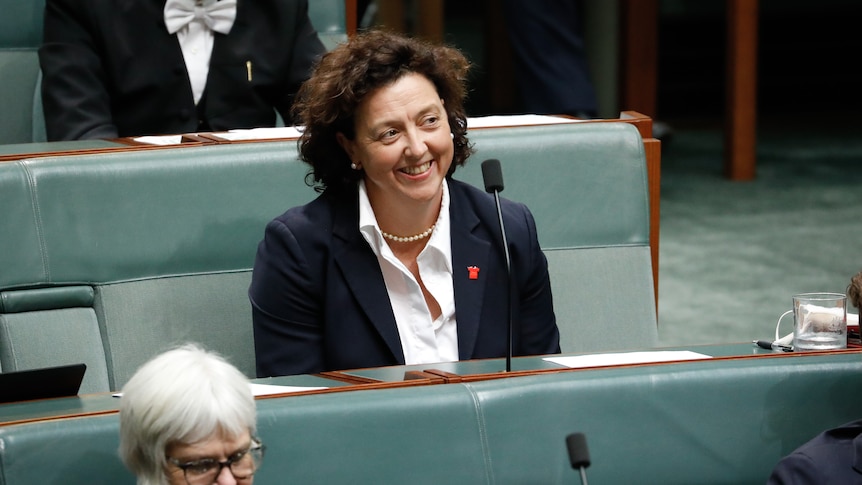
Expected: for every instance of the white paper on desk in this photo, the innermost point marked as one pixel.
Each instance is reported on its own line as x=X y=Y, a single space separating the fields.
x=270 y=389
x=260 y=133
x=160 y=140
x=598 y=360
x=295 y=131
x=516 y=120
x=265 y=389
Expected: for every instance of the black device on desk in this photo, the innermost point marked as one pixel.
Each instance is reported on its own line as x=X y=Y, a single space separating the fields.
x=42 y=383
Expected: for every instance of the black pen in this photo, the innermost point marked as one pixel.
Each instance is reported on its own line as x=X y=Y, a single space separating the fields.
x=766 y=344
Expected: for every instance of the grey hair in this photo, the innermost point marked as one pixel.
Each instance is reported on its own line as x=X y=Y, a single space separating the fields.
x=184 y=395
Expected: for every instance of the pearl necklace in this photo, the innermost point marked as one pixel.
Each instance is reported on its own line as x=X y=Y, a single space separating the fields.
x=417 y=237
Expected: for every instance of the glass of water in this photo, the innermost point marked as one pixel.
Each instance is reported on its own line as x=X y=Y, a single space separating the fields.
x=819 y=321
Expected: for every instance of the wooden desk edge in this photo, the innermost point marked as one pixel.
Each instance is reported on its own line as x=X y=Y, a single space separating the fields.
x=431 y=377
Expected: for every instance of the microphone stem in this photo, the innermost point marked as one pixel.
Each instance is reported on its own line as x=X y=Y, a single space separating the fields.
x=509 y=279
x=583 y=475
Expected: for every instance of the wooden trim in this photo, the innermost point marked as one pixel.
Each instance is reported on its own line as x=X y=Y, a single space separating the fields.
x=652 y=147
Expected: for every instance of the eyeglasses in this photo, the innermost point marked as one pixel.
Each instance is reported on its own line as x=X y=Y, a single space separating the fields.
x=241 y=464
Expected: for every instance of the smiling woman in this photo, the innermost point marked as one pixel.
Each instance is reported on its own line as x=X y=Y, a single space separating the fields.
x=374 y=272
x=403 y=146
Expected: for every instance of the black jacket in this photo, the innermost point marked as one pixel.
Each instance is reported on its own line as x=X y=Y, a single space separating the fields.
x=319 y=301
x=112 y=69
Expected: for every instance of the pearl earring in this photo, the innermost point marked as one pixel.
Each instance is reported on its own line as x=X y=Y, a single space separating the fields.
x=452 y=135
x=354 y=166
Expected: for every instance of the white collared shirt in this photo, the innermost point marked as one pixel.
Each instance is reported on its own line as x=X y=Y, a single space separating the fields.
x=423 y=341
x=196 y=41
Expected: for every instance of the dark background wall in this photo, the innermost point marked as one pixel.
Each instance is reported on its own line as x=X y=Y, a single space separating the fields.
x=808 y=53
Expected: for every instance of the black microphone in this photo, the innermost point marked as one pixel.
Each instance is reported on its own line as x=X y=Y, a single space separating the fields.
x=493 y=176
x=578 y=453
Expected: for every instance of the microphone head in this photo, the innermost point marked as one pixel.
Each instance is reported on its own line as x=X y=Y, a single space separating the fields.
x=579 y=455
x=493 y=175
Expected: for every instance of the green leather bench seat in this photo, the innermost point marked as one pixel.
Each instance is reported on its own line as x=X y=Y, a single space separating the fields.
x=716 y=421
x=329 y=18
x=165 y=239
x=20 y=37
x=707 y=422
x=588 y=190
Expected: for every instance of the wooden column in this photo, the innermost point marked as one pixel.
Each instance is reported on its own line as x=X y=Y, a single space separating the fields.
x=390 y=14
x=429 y=21
x=428 y=17
x=741 y=118
x=639 y=56
x=350 y=15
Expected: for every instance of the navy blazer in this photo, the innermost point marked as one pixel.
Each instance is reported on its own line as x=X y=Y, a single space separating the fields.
x=110 y=68
x=319 y=301
x=833 y=456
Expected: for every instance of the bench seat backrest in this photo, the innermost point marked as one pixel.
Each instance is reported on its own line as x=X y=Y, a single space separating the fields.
x=114 y=257
x=20 y=37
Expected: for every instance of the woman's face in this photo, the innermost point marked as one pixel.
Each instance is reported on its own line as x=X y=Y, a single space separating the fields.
x=403 y=142
x=217 y=447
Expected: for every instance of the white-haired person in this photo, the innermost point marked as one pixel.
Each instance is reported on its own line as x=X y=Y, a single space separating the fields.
x=188 y=416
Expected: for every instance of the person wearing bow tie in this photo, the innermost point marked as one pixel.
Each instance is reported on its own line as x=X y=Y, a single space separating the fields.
x=119 y=68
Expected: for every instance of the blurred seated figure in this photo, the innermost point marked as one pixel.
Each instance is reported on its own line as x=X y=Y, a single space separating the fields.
x=552 y=72
x=833 y=456
x=188 y=417
x=155 y=67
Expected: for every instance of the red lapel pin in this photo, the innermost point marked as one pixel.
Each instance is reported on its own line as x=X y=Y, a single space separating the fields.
x=474 y=272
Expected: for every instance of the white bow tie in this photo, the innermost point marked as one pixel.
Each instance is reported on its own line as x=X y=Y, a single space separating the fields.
x=218 y=16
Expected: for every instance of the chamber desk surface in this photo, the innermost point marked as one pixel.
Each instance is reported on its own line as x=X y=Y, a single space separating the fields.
x=420 y=375
x=496 y=368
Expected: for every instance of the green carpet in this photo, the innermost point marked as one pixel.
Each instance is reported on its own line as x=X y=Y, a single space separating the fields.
x=732 y=254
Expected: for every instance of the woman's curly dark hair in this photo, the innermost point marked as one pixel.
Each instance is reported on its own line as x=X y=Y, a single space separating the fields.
x=326 y=104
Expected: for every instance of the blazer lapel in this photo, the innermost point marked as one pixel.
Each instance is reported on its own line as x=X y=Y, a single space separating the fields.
x=361 y=272
x=468 y=250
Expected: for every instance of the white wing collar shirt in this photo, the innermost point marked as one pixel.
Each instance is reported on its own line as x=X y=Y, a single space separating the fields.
x=423 y=341
x=194 y=22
